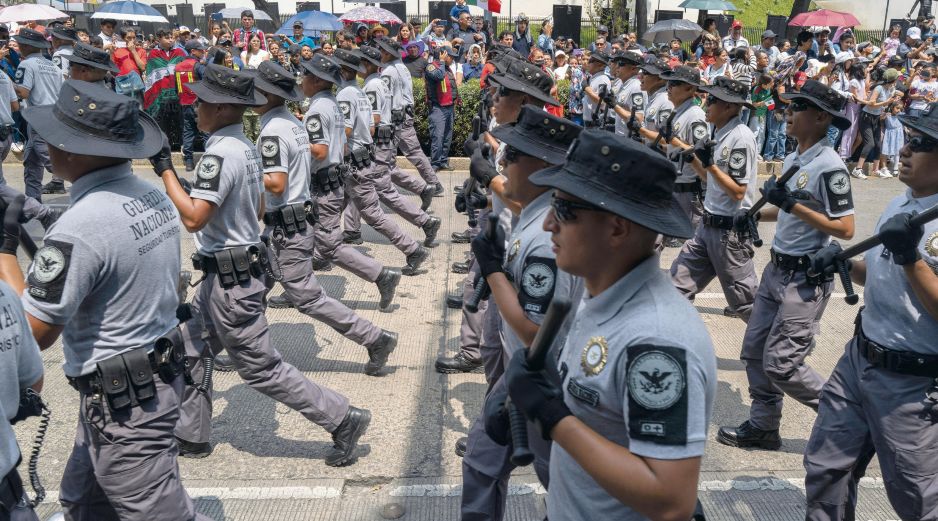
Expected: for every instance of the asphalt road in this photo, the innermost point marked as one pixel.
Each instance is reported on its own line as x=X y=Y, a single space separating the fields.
x=268 y=460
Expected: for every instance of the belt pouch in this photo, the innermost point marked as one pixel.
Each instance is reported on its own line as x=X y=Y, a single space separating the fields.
x=299 y=216
x=141 y=374
x=115 y=383
x=226 y=268
x=170 y=355
x=242 y=264
x=312 y=212
x=287 y=217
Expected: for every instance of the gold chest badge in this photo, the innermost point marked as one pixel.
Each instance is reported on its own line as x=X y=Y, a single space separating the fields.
x=513 y=251
x=594 y=356
x=931 y=245
x=802 y=180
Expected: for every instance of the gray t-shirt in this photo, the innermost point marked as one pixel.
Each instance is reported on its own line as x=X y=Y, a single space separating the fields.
x=392 y=79
x=657 y=111
x=41 y=77
x=229 y=176
x=894 y=316
x=631 y=97
x=637 y=380
x=60 y=59
x=20 y=367
x=379 y=97
x=7 y=96
x=108 y=268
x=823 y=185
x=356 y=114
x=589 y=106
x=407 y=82
x=690 y=126
x=284 y=147
x=325 y=126
x=735 y=155
x=881 y=93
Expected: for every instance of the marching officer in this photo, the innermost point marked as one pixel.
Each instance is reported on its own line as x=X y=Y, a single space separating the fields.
x=100 y=282
x=288 y=209
x=189 y=70
x=630 y=97
x=228 y=310
x=37 y=80
x=402 y=115
x=628 y=402
x=882 y=395
x=815 y=204
x=523 y=280
x=658 y=106
x=87 y=63
x=597 y=90
x=720 y=247
x=442 y=98
x=63 y=38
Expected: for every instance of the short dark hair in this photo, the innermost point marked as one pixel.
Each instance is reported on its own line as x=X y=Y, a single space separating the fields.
x=108 y=21
x=247 y=13
x=505 y=33
x=765 y=79
x=127 y=29
x=164 y=33
x=709 y=22
x=805 y=36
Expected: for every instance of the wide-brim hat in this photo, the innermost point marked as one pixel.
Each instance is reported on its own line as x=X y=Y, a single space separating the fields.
x=91 y=120
x=926 y=122
x=349 y=60
x=826 y=99
x=623 y=177
x=226 y=86
x=65 y=33
x=272 y=78
x=32 y=38
x=656 y=67
x=683 y=74
x=728 y=90
x=539 y=134
x=387 y=46
x=524 y=76
x=84 y=54
x=322 y=67
x=371 y=55
x=600 y=57
x=630 y=57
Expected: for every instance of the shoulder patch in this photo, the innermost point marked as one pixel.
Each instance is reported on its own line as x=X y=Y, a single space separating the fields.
x=208 y=173
x=699 y=131
x=314 y=127
x=538 y=277
x=270 y=151
x=48 y=271
x=346 y=109
x=18 y=77
x=387 y=81
x=657 y=383
x=373 y=99
x=57 y=61
x=839 y=194
x=431 y=68
x=663 y=116
x=737 y=163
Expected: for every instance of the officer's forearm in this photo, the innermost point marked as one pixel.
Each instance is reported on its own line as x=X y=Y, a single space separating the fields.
x=275 y=182
x=663 y=490
x=838 y=227
x=498 y=188
x=11 y=273
x=648 y=134
x=924 y=283
x=858 y=272
x=623 y=112
x=194 y=213
x=592 y=95
x=45 y=333
x=22 y=92
x=320 y=152
x=506 y=297
x=729 y=185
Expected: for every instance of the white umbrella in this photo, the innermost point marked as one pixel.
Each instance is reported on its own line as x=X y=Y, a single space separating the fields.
x=234 y=13
x=130 y=11
x=28 y=12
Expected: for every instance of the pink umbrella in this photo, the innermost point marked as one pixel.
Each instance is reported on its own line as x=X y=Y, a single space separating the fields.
x=370 y=15
x=824 y=17
x=29 y=12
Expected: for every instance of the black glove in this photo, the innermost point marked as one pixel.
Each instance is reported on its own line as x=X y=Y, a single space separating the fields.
x=823 y=261
x=776 y=194
x=703 y=149
x=461 y=202
x=901 y=238
x=535 y=394
x=743 y=223
x=163 y=160
x=495 y=416
x=489 y=254
x=633 y=124
x=476 y=200
x=12 y=217
x=481 y=169
x=609 y=99
x=470 y=146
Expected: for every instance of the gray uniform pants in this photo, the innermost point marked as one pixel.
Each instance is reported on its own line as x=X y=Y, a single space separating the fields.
x=294 y=253
x=713 y=252
x=409 y=145
x=387 y=192
x=865 y=410
x=470 y=329
x=4 y=152
x=487 y=466
x=692 y=205
x=123 y=465
x=779 y=337
x=35 y=161
x=233 y=319
x=411 y=183
x=329 y=244
x=360 y=190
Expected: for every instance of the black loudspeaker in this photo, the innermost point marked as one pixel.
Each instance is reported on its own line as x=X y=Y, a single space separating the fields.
x=307 y=6
x=184 y=15
x=400 y=10
x=662 y=14
x=82 y=21
x=567 y=21
x=778 y=24
x=724 y=22
x=903 y=23
x=440 y=10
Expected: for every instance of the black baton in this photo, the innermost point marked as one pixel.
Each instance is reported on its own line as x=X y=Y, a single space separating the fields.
x=536 y=356
x=751 y=213
x=482 y=285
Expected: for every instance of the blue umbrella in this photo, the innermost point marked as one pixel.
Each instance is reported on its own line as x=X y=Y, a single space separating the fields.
x=708 y=5
x=130 y=11
x=313 y=23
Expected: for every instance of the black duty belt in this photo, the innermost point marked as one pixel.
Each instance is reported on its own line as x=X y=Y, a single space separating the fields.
x=902 y=362
x=723 y=222
x=694 y=186
x=292 y=217
x=91 y=382
x=233 y=265
x=789 y=262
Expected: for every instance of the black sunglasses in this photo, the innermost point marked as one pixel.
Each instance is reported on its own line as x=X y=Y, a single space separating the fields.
x=503 y=91
x=801 y=105
x=922 y=144
x=565 y=209
x=512 y=154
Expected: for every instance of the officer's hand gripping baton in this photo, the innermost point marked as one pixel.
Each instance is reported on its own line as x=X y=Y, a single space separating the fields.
x=751 y=213
x=482 y=285
x=536 y=356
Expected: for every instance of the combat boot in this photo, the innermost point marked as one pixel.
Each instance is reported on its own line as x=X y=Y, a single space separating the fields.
x=426 y=197
x=459 y=268
x=438 y=188
x=279 y=302
x=414 y=260
x=379 y=352
x=345 y=437
x=460 y=237
x=352 y=237
x=56 y=186
x=461 y=445
x=431 y=228
x=748 y=436
x=191 y=449
x=458 y=364
x=387 y=284
x=190 y=164
x=454 y=301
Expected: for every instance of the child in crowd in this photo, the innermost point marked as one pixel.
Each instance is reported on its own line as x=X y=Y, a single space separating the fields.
x=893 y=140
x=763 y=104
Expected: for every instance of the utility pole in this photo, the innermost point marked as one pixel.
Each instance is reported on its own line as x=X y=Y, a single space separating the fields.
x=641 y=17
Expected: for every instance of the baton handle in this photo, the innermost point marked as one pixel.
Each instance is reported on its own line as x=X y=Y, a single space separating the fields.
x=781 y=182
x=482 y=285
x=871 y=242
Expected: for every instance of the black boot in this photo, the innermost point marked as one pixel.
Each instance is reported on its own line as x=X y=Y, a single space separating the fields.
x=191 y=449
x=748 y=436
x=224 y=364
x=461 y=444
x=426 y=197
x=387 y=284
x=414 y=260
x=190 y=164
x=352 y=238
x=322 y=265
x=279 y=302
x=460 y=238
x=454 y=301
x=458 y=364
x=431 y=228
x=379 y=352
x=345 y=437
x=438 y=188
x=460 y=268
x=55 y=186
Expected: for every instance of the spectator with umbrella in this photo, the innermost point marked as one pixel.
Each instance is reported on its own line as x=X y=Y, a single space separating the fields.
x=242 y=35
x=299 y=36
x=107 y=33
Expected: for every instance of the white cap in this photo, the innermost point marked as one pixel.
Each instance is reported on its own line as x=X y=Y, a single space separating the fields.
x=183 y=29
x=197 y=30
x=843 y=56
x=559 y=53
x=914 y=32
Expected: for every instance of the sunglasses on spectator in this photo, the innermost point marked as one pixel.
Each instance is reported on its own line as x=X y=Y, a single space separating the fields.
x=565 y=209
x=801 y=105
x=923 y=144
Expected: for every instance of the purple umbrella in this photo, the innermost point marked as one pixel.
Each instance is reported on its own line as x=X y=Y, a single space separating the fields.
x=370 y=15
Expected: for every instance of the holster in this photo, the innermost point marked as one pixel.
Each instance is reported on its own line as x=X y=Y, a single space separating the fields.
x=360 y=157
x=384 y=134
x=327 y=179
x=291 y=218
x=233 y=265
x=169 y=354
x=397 y=117
x=127 y=380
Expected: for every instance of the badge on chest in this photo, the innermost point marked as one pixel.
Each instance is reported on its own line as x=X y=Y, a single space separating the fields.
x=594 y=356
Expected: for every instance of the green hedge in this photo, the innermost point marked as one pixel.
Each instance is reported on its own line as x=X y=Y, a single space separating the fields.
x=469 y=93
